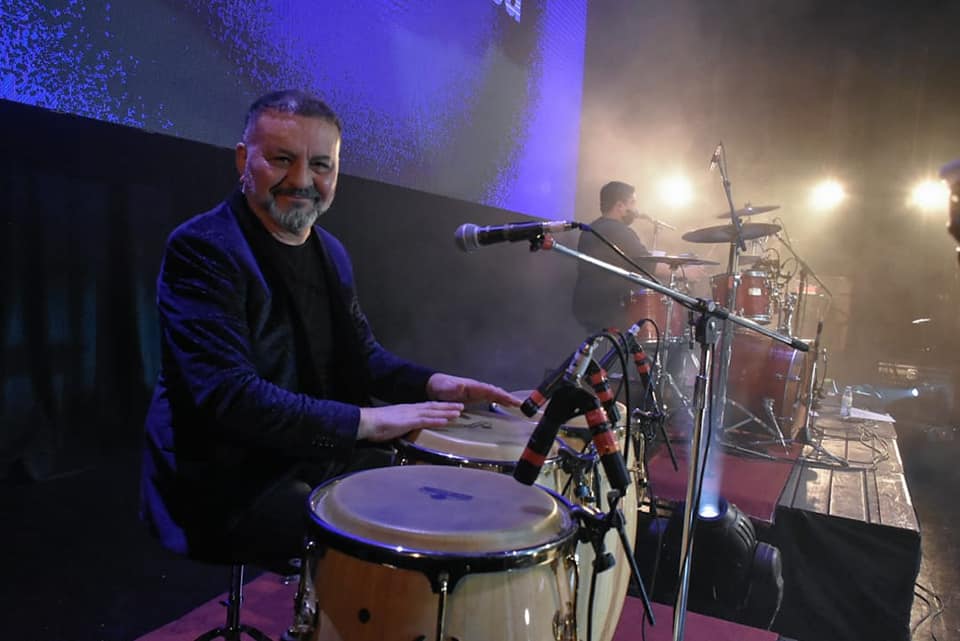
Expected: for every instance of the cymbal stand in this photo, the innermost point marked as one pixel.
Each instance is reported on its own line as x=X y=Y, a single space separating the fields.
x=812 y=393
x=665 y=377
x=709 y=314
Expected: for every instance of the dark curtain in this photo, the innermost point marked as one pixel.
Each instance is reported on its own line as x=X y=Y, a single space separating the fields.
x=85 y=210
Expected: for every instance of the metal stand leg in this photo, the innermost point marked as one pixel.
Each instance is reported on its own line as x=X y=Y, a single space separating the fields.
x=707 y=337
x=233 y=629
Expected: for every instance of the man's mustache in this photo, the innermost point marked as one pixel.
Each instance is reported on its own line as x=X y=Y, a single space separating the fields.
x=296 y=193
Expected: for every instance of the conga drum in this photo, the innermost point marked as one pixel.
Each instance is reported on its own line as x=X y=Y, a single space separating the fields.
x=438 y=553
x=494 y=441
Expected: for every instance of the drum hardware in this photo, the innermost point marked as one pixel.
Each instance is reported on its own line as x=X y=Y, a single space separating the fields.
x=788 y=307
x=305 y=602
x=770 y=423
x=579 y=466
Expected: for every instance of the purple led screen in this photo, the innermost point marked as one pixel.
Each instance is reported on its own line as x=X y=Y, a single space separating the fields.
x=474 y=99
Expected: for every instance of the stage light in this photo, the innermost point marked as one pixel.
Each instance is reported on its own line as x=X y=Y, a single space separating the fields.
x=930 y=196
x=827 y=195
x=733 y=576
x=676 y=191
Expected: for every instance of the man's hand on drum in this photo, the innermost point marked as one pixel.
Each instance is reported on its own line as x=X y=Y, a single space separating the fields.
x=444 y=387
x=393 y=421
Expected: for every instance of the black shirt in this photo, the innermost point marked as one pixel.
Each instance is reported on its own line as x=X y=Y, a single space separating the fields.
x=598 y=296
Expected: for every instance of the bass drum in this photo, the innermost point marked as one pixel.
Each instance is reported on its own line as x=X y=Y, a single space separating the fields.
x=494 y=440
x=763 y=371
x=431 y=552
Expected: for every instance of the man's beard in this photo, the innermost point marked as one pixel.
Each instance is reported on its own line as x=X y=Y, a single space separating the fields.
x=295 y=220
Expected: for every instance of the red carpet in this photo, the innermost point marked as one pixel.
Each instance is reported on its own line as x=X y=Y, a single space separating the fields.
x=752 y=484
x=268 y=605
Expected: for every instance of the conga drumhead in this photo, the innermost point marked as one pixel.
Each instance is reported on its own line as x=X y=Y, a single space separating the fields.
x=429 y=509
x=475 y=437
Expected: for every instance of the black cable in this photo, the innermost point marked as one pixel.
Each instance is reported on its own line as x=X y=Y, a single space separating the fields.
x=935 y=609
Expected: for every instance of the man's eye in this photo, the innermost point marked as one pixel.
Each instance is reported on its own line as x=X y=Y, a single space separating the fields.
x=281 y=160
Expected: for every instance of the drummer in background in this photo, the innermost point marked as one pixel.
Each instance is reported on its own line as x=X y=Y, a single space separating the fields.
x=268 y=362
x=598 y=297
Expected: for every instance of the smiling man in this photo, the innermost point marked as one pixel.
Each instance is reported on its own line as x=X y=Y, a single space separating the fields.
x=268 y=362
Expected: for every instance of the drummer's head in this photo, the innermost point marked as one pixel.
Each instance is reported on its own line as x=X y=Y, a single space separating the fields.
x=618 y=200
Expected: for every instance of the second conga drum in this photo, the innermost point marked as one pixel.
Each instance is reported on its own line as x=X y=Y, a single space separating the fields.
x=431 y=552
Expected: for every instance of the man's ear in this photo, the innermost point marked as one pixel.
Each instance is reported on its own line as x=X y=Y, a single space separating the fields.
x=240 y=157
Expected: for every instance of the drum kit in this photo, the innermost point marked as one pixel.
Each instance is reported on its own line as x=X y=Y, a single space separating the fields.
x=765 y=382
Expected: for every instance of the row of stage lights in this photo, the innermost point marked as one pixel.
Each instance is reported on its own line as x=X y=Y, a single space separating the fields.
x=927 y=196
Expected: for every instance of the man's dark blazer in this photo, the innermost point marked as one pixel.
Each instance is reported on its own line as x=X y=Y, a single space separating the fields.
x=227 y=418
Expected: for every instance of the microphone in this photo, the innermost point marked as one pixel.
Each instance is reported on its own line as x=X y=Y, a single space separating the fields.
x=657 y=223
x=560 y=409
x=574 y=371
x=640 y=360
x=715 y=158
x=608 y=449
x=470 y=237
x=597 y=378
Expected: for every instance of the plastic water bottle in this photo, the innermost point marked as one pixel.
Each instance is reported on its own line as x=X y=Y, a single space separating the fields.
x=846 y=402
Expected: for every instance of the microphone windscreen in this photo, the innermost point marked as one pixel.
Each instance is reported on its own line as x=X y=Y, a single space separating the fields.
x=466 y=237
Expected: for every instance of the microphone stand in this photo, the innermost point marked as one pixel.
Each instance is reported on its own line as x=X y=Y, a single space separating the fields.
x=574 y=400
x=706 y=335
x=733 y=262
x=805 y=271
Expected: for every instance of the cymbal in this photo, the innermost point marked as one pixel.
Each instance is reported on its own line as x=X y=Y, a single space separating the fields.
x=728 y=233
x=675 y=261
x=749 y=210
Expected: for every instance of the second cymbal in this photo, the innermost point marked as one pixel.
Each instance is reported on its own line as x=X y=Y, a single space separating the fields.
x=749 y=210
x=675 y=261
x=728 y=233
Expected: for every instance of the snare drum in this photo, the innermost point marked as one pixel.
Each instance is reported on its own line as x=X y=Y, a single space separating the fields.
x=431 y=552
x=761 y=368
x=494 y=441
x=753 y=295
x=646 y=303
